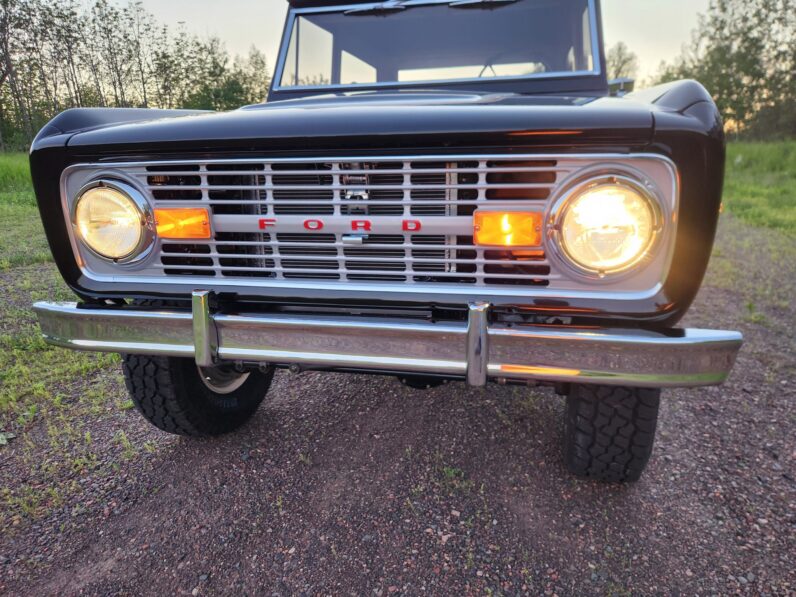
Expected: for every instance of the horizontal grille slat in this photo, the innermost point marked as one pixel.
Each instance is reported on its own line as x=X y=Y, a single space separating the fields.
x=315 y=269
x=452 y=170
x=417 y=188
x=436 y=194
x=417 y=245
x=318 y=255
x=529 y=203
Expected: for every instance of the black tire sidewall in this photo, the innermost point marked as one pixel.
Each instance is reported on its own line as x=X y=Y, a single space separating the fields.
x=171 y=395
x=210 y=412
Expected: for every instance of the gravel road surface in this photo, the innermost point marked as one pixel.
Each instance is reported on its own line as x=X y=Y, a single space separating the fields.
x=356 y=485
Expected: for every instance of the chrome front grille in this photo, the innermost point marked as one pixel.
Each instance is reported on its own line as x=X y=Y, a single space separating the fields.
x=441 y=193
x=430 y=189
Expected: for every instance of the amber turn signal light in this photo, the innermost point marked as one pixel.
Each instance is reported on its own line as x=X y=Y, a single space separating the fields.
x=507 y=228
x=183 y=223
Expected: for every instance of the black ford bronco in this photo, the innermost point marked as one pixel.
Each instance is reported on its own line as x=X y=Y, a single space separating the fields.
x=436 y=190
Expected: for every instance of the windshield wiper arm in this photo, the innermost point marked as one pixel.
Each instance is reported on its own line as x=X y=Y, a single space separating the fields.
x=479 y=3
x=377 y=9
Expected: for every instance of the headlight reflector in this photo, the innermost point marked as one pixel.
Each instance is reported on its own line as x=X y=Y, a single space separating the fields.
x=109 y=222
x=608 y=227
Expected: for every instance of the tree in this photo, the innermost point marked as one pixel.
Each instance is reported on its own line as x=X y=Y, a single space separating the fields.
x=12 y=21
x=621 y=62
x=744 y=52
x=140 y=24
x=58 y=54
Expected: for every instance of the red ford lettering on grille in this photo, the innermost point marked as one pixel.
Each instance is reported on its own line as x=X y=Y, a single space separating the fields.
x=316 y=225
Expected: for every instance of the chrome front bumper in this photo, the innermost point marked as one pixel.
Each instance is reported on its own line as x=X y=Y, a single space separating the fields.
x=475 y=351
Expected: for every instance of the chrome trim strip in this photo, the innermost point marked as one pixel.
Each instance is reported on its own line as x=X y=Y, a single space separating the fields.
x=400 y=288
x=478 y=343
x=434 y=157
x=276 y=85
x=681 y=358
x=205 y=335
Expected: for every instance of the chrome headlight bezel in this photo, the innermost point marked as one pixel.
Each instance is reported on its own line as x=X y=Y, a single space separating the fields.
x=145 y=213
x=556 y=247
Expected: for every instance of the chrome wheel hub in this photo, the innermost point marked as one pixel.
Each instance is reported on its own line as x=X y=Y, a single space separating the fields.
x=223 y=379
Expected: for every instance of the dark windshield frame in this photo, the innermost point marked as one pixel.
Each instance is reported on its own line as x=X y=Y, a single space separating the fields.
x=583 y=82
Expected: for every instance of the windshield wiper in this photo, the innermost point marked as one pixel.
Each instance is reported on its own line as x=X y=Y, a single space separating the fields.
x=480 y=3
x=377 y=9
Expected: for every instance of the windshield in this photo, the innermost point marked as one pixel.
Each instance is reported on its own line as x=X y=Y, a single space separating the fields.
x=411 y=42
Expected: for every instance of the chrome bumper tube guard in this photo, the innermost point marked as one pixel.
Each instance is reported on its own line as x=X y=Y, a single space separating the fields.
x=474 y=350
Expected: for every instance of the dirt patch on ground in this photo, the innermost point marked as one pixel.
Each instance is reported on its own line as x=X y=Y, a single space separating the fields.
x=357 y=485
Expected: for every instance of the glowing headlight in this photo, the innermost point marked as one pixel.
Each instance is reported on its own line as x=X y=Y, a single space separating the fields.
x=110 y=222
x=608 y=226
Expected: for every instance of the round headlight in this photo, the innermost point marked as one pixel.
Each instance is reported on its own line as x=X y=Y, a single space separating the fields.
x=110 y=222
x=608 y=226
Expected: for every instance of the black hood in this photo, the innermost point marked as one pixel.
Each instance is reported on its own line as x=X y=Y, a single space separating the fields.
x=419 y=119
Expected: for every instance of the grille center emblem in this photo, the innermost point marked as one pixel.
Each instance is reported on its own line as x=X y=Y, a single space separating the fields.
x=357 y=191
x=357 y=195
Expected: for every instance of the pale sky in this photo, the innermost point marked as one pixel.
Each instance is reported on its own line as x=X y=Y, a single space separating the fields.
x=654 y=29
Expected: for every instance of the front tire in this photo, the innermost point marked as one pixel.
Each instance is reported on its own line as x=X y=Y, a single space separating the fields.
x=610 y=431
x=176 y=397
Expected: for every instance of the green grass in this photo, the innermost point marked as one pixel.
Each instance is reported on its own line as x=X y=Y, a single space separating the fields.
x=14 y=175
x=32 y=373
x=760 y=186
x=22 y=241
x=48 y=396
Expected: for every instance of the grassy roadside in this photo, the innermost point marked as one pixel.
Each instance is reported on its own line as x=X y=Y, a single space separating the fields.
x=759 y=190
x=22 y=241
x=48 y=396
x=29 y=368
x=14 y=173
x=760 y=185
